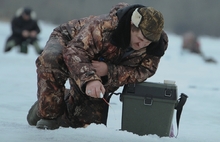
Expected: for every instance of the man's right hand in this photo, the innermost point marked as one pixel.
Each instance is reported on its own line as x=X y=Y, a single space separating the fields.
x=94 y=89
x=25 y=33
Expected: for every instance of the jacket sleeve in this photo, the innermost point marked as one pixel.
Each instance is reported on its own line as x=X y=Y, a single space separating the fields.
x=79 y=53
x=82 y=48
x=119 y=75
x=16 y=27
x=36 y=26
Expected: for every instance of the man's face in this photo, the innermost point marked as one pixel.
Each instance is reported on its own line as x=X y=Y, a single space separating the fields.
x=25 y=16
x=138 y=41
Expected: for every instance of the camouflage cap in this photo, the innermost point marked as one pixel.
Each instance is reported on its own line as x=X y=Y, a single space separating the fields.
x=150 y=22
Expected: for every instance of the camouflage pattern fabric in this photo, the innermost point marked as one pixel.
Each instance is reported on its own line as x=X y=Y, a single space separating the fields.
x=68 y=55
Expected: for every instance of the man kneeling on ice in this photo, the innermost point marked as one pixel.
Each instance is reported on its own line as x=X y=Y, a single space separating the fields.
x=97 y=54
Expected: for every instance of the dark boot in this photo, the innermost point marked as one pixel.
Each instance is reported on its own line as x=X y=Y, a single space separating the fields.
x=37 y=47
x=9 y=45
x=34 y=119
x=24 y=47
x=32 y=116
x=48 y=124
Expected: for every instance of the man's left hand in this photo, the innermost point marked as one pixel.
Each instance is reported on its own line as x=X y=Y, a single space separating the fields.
x=100 y=67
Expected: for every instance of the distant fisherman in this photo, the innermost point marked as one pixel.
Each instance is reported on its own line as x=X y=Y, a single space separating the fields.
x=25 y=30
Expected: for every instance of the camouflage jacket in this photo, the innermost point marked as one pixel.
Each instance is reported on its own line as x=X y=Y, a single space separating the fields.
x=89 y=38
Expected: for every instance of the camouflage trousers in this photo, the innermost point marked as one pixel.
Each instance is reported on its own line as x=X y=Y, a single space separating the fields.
x=75 y=108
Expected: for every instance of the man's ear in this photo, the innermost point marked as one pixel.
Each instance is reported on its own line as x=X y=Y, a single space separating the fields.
x=132 y=23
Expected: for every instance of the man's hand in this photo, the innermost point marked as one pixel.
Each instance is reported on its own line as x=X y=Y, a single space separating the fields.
x=100 y=67
x=94 y=89
x=33 y=33
x=25 y=33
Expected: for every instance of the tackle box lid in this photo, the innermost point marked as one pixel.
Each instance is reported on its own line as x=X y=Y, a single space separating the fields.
x=166 y=90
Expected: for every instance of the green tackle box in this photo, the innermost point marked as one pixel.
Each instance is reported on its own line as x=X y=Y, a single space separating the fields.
x=148 y=108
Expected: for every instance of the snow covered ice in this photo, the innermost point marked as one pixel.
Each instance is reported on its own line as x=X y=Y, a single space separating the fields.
x=200 y=120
